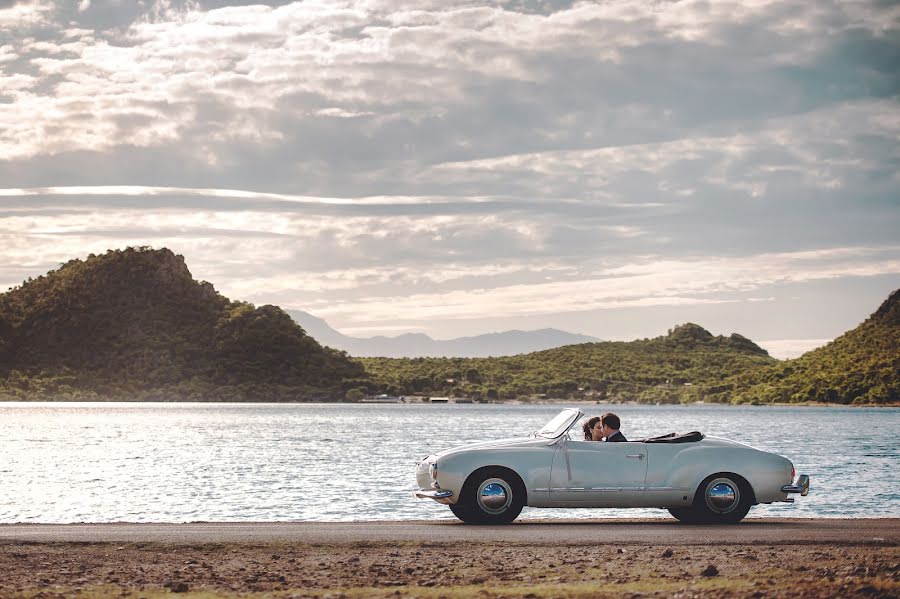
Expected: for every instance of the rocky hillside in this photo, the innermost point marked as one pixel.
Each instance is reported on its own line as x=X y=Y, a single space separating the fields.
x=687 y=364
x=861 y=366
x=134 y=324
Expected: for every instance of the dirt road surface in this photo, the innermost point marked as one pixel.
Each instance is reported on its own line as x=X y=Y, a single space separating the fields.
x=448 y=560
x=532 y=532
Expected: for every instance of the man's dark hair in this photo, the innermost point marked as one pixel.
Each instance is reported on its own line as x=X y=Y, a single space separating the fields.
x=611 y=420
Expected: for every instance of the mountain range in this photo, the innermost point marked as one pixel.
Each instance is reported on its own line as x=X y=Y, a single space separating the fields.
x=413 y=345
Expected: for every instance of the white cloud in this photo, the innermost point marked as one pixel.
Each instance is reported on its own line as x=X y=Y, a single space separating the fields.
x=456 y=159
x=653 y=282
x=147 y=191
x=360 y=268
x=741 y=161
x=362 y=59
x=281 y=253
x=788 y=349
x=25 y=14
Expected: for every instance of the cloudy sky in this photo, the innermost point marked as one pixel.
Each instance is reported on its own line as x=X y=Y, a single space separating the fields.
x=611 y=168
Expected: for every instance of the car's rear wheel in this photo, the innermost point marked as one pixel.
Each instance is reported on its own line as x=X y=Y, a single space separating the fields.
x=490 y=496
x=720 y=499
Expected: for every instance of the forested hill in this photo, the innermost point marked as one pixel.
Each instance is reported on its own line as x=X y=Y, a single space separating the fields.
x=688 y=364
x=133 y=324
x=861 y=366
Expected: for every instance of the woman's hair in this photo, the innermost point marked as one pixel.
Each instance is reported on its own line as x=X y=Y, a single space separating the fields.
x=588 y=426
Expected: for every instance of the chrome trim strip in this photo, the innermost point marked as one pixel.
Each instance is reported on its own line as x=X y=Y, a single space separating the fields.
x=583 y=489
x=587 y=490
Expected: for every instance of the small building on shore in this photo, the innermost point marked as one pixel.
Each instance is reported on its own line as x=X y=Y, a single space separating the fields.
x=383 y=398
x=449 y=400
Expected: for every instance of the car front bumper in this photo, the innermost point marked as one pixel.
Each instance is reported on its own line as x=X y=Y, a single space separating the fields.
x=434 y=494
x=426 y=471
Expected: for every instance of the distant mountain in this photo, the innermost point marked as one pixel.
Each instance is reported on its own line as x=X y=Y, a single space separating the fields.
x=687 y=364
x=133 y=324
x=861 y=366
x=411 y=345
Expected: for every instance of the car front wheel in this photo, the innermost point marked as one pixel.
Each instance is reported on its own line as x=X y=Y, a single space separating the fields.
x=720 y=499
x=490 y=496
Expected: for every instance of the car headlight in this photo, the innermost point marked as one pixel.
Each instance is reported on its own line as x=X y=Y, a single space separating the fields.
x=432 y=472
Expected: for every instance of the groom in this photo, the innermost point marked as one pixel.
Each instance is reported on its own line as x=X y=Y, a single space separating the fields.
x=609 y=427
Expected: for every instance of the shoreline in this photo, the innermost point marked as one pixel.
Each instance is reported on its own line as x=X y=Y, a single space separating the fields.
x=512 y=402
x=604 y=558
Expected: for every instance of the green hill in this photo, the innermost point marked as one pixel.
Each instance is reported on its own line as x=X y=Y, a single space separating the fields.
x=688 y=364
x=134 y=325
x=861 y=366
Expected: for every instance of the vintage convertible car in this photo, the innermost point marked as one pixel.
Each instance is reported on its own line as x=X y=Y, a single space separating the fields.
x=697 y=478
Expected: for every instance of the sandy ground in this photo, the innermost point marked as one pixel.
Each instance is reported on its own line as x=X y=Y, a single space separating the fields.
x=478 y=565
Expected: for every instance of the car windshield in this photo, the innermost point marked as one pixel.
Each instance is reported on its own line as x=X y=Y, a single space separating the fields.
x=560 y=424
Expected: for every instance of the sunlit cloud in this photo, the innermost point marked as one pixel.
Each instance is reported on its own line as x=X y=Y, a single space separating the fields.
x=142 y=191
x=656 y=282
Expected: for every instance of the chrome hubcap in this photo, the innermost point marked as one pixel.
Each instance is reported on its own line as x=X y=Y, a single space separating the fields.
x=494 y=496
x=722 y=495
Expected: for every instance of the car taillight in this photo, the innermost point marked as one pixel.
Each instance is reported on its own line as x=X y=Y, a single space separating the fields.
x=792 y=472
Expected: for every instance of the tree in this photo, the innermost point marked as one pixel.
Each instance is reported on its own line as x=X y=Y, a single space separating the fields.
x=355 y=395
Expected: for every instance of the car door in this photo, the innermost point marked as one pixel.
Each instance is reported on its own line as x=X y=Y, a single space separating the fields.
x=589 y=473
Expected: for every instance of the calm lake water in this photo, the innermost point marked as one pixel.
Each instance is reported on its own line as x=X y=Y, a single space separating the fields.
x=145 y=462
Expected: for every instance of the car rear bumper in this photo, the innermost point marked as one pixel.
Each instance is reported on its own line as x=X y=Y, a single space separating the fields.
x=800 y=485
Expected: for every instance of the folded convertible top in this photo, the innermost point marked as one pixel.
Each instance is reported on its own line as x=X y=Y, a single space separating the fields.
x=690 y=437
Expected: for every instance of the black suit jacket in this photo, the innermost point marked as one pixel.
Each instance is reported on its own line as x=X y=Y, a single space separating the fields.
x=617 y=438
